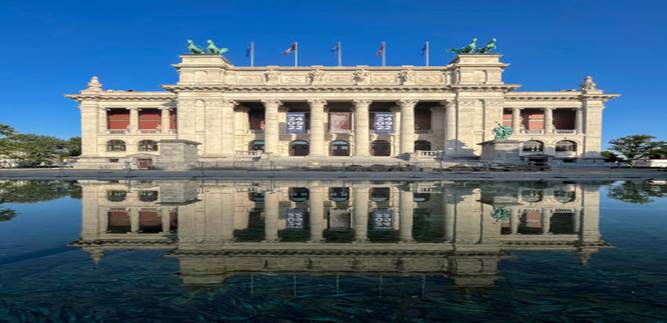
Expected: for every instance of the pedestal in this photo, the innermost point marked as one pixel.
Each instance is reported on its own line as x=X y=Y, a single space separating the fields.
x=501 y=151
x=177 y=154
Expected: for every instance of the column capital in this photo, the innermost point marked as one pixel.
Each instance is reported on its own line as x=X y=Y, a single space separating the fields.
x=362 y=103
x=317 y=102
x=271 y=103
x=228 y=103
x=407 y=103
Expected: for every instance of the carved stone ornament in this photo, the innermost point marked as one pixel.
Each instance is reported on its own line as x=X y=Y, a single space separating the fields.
x=588 y=84
x=406 y=77
x=315 y=76
x=271 y=77
x=359 y=77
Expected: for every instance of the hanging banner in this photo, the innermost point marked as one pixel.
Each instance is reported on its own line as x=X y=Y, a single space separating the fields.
x=383 y=122
x=296 y=122
x=295 y=218
x=382 y=219
x=340 y=122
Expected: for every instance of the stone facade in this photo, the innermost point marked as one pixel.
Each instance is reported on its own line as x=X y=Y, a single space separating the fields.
x=241 y=113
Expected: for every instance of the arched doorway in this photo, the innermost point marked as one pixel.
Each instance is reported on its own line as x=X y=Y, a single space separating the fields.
x=533 y=146
x=299 y=148
x=339 y=148
x=422 y=145
x=566 y=146
x=380 y=148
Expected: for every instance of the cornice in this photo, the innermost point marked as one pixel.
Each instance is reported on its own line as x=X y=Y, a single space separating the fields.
x=307 y=89
x=484 y=87
x=122 y=96
x=558 y=96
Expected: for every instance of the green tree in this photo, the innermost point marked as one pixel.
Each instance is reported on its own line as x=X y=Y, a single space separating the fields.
x=34 y=150
x=634 y=146
x=610 y=156
x=6 y=131
x=73 y=146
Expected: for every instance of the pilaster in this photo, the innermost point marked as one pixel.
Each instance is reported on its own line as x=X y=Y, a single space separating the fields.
x=228 y=132
x=361 y=133
x=271 y=128
x=407 y=126
x=317 y=120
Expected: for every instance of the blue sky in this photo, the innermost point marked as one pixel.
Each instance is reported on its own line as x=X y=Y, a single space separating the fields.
x=50 y=48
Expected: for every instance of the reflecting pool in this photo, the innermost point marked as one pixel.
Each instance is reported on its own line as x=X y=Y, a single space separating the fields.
x=332 y=251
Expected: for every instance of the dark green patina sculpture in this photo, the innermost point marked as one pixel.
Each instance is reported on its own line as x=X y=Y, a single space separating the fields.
x=470 y=48
x=502 y=132
x=193 y=48
x=214 y=49
x=501 y=213
x=488 y=48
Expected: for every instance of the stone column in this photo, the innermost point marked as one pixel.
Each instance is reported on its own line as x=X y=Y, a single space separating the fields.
x=134 y=120
x=450 y=128
x=103 y=121
x=516 y=120
x=317 y=120
x=166 y=221
x=134 y=220
x=316 y=205
x=164 y=120
x=271 y=216
x=406 y=217
x=360 y=205
x=514 y=221
x=548 y=120
x=407 y=125
x=546 y=221
x=578 y=121
x=361 y=133
x=271 y=128
x=228 y=132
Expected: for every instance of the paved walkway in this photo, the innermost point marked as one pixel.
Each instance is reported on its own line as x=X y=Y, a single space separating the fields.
x=559 y=175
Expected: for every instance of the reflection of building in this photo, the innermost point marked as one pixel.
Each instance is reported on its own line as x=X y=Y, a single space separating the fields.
x=368 y=113
x=216 y=229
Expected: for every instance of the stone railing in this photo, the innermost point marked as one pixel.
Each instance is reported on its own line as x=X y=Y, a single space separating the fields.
x=566 y=154
x=428 y=153
x=118 y=131
x=423 y=131
x=565 y=131
x=248 y=153
x=149 y=131
x=532 y=132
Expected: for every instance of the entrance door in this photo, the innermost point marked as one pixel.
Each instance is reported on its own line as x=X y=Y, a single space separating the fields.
x=144 y=163
x=381 y=148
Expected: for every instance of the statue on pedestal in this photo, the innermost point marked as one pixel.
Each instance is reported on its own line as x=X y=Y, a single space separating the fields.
x=214 y=49
x=488 y=48
x=468 y=49
x=193 y=48
x=502 y=132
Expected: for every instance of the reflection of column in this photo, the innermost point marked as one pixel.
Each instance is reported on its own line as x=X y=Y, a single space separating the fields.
x=449 y=210
x=164 y=216
x=317 y=120
x=227 y=211
x=516 y=120
x=590 y=221
x=576 y=220
x=164 y=120
x=406 y=216
x=578 y=121
x=546 y=221
x=271 y=127
x=360 y=200
x=134 y=120
x=548 y=120
x=514 y=222
x=228 y=127
x=134 y=220
x=407 y=126
x=271 y=216
x=316 y=204
x=361 y=133
x=450 y=128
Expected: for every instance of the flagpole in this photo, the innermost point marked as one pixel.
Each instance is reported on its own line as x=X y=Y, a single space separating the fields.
x=340 y=54
x=252 y=54
x=296 y=54
x=427 y=52
x=384 y=54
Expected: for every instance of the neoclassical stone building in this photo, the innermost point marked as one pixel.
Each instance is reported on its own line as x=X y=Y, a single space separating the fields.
x=324 y=114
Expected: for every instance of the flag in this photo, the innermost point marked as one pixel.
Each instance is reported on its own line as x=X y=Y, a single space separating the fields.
x=424 y=49
x=380 y=50
x=335 y=48
x=290 y=49
x=247 y=51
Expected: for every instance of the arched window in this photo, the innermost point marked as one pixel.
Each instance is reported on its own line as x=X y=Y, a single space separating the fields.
x=422 y=145
x=256 y=145
x=298 y=194
x=380 y=194
x=148 y=196
x=339 y=194
x=339 y=148
x=116 y=196
x=256 y=196
x=299 y=148
x=115 y=145
x=565 y=196
x=380 y=148
x=148 y=145
x=533 y=146
x=421 y=197
x=566 y=145
x=532 y=196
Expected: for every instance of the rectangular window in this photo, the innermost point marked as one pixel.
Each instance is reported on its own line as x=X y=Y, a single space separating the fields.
x=422 y=119
x=149 y=119
x=507 y=117
x=118 y=119
x=256 y=119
